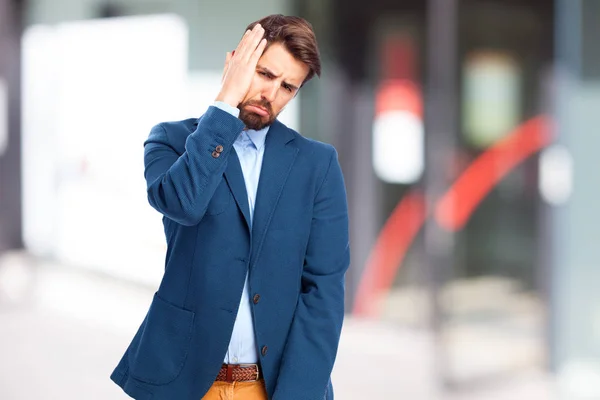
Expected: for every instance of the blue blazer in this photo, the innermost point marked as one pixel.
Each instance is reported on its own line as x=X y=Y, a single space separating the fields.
x=297 y=254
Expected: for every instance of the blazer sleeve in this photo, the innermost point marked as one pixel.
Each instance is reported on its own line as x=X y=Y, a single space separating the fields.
x=181 y=186
x=312 y=343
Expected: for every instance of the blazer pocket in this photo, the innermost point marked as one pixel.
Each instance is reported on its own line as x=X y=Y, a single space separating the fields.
x=220 y=200
x=161 y=346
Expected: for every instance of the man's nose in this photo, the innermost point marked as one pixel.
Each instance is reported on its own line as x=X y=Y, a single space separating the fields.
x=270 y=93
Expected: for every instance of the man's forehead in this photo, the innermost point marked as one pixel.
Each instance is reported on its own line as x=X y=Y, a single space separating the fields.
x=279 y=61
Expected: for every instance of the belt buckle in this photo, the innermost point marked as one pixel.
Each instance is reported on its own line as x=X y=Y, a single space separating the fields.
x=255 y=367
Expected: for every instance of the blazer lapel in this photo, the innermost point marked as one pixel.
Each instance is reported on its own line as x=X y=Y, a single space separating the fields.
x=235 y=179
x=279 y=157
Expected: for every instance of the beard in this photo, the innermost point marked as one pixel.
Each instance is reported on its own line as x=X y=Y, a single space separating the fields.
x=253 y=120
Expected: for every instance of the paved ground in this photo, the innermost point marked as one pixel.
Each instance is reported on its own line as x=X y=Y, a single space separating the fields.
x=61 y=332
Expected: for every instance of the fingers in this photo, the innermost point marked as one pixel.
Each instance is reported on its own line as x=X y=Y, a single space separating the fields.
x=240 y=66
x=242 y=42
x=249 y=43
x=258 y=52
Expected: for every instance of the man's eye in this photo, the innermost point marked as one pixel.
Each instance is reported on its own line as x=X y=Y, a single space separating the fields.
x=288 y=88
x=263 y=73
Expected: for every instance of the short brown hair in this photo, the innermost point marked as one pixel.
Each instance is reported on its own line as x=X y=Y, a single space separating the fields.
x=297 y=36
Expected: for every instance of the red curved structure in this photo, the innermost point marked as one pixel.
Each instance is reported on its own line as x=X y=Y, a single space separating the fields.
x=452 y=211
x=477 y=181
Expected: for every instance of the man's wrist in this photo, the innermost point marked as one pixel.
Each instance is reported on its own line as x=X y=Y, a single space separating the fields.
x=227 y=108
x=224 y=99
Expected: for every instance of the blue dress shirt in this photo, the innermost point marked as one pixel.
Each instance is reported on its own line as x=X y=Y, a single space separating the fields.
x=250 y=149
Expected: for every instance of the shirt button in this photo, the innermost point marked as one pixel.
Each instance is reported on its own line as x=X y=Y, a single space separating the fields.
x=256 y=298
x=264 y=350
x=216 y=154
x=219 y=149
x=235 y=360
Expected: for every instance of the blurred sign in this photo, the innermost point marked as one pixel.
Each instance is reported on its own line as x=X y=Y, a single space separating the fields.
x=556 y=175
x=92 y=91
x=398 y=131
x=492 y=98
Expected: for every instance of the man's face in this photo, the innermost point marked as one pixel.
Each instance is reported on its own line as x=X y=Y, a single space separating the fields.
x=276 y=81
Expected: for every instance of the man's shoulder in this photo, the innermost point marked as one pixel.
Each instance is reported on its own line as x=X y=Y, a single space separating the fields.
x=317 y=153
x=312 y=147
x=317 y=146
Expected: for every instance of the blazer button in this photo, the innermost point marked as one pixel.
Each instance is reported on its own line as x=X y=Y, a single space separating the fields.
x=264 y=350
x=219 y=149
x=256 y=298
x=216 y=154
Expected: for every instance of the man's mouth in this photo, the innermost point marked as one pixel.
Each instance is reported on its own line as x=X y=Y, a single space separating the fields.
x=258 y=110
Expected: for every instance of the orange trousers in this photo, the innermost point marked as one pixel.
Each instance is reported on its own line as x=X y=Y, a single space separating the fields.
x=237 y=391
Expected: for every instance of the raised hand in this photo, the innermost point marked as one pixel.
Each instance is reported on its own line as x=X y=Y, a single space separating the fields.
x=240 y=67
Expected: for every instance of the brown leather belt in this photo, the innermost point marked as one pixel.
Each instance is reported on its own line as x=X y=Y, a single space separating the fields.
x=238 y=373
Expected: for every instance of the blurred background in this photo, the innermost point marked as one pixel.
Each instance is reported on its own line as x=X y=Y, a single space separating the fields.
x=468 y=132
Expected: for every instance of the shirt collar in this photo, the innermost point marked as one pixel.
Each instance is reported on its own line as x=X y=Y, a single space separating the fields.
x=257 y=137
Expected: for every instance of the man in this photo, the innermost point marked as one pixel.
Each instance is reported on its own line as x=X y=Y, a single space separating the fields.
x=252 y=299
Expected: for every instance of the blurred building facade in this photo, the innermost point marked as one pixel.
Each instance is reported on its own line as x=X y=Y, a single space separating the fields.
x=465 y=129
